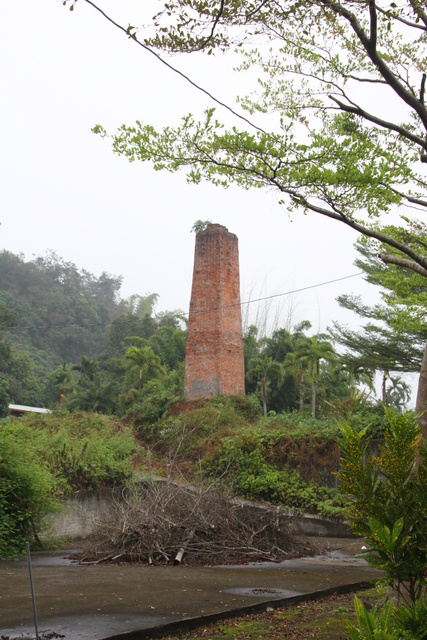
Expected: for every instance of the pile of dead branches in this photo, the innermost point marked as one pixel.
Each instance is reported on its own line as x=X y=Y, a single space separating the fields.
x=166 y=523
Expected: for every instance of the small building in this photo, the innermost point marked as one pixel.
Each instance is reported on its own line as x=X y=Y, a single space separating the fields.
x=20 y=409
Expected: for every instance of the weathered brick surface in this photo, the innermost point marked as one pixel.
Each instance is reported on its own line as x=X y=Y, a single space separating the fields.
x=214 y=359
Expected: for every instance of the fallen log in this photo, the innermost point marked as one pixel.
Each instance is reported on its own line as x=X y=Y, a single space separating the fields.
x=179 y=556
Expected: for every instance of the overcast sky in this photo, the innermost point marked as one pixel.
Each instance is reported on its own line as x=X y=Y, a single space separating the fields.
x=62 y=189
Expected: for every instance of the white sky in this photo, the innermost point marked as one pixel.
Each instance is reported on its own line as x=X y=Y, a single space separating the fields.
x=63 y=189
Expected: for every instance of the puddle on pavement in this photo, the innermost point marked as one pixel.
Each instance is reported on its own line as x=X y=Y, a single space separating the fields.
x=49 y=559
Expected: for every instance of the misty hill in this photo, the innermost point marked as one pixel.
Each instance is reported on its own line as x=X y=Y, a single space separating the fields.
x=53 y=314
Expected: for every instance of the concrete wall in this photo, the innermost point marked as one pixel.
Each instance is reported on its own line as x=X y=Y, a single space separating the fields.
x=82 y=510
x=79 y=514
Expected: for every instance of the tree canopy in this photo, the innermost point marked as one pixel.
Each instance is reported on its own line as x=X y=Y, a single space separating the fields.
x=329 y=72
x=396 y=332
x=339 y=120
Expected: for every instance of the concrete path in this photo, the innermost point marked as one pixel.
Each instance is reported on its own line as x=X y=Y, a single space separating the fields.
x=131 y=602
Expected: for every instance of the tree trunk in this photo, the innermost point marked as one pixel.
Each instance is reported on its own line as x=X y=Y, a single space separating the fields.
x=301 y=399
x=383 y=387
x=264 y=394
x=421 y=404
x=313 y=400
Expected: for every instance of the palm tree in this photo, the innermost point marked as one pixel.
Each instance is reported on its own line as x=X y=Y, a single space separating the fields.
x=306 y=358
x=358 y=374
x=398 y=393
x=61 y=380
x=297 y=364
x=87 y=368
x=93 y=392
x=146 y=360
x=264 y=369
x=141 y=306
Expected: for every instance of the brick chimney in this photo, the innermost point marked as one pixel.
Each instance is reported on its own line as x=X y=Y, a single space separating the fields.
x=214 y=358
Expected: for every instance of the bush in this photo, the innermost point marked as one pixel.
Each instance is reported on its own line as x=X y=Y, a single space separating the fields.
x=27 y=494
x=44 y=457
x=247 y=463
x=148 y=405
x=372 y=418
x=389 y=622
x=82 y=450
x=389 y=503
x=198 y=427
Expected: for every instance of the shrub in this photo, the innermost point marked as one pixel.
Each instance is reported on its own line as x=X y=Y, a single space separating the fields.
x=27 y=491
x=247 y=463
x=82 y=450
x=389 y=503
x=43 y=457
x=389 y=622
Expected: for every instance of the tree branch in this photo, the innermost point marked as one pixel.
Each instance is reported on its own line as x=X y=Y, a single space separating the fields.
x=422 y=88
x=395 y=16
x=385 y=124
x=211 y=35
x=357 y=226
x=373 y=18
x=172 y=68
x=407 y=96
x=411 y=199
x=416 y=6
x=402 y=262
x=257 y=9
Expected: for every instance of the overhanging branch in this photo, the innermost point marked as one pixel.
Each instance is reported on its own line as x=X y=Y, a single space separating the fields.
x=385 y=124
x=360 y=228
x=171 y=67
x=402 y=262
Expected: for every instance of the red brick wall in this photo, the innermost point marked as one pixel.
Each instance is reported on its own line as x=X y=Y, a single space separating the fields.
x=214 y=359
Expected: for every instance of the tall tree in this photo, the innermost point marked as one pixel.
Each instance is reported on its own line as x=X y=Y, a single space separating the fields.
x=93 y=391
x=283 y=392
x=394 y=338
x=326 y=146
x=398 y=393
x=263 y=370
x=307 y=357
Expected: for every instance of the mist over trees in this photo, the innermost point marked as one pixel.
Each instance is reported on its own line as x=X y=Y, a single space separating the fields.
x=65 y=332
x=69 y=341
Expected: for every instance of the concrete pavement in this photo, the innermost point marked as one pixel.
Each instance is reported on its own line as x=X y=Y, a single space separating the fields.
x=131 y=602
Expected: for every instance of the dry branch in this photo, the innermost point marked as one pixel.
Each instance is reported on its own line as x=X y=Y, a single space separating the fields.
x=156 y=523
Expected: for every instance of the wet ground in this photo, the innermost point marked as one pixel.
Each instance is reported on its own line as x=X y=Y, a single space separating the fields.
x=104 y=601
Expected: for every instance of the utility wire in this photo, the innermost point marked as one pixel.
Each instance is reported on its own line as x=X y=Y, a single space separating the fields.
x=172 y=68
x=174 y=315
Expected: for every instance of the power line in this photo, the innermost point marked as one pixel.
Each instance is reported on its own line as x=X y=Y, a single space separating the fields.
x=174 y=315
x=288 y=293
x=132 y=36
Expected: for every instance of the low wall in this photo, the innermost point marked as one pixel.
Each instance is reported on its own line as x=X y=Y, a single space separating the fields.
x=80 y=512
x=312 y=526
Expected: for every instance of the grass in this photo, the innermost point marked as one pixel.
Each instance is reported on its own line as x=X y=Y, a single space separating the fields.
x=322 y=619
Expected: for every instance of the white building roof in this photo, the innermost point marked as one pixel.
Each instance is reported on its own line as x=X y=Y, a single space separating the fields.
x=21 y=408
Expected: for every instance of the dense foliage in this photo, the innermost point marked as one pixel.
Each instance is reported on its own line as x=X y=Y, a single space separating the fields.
x=26 y=495
x=45 y=457
x=287 y=460
x=67 y=340
x=389 y=505
x=277 y=444
x=65 y=334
